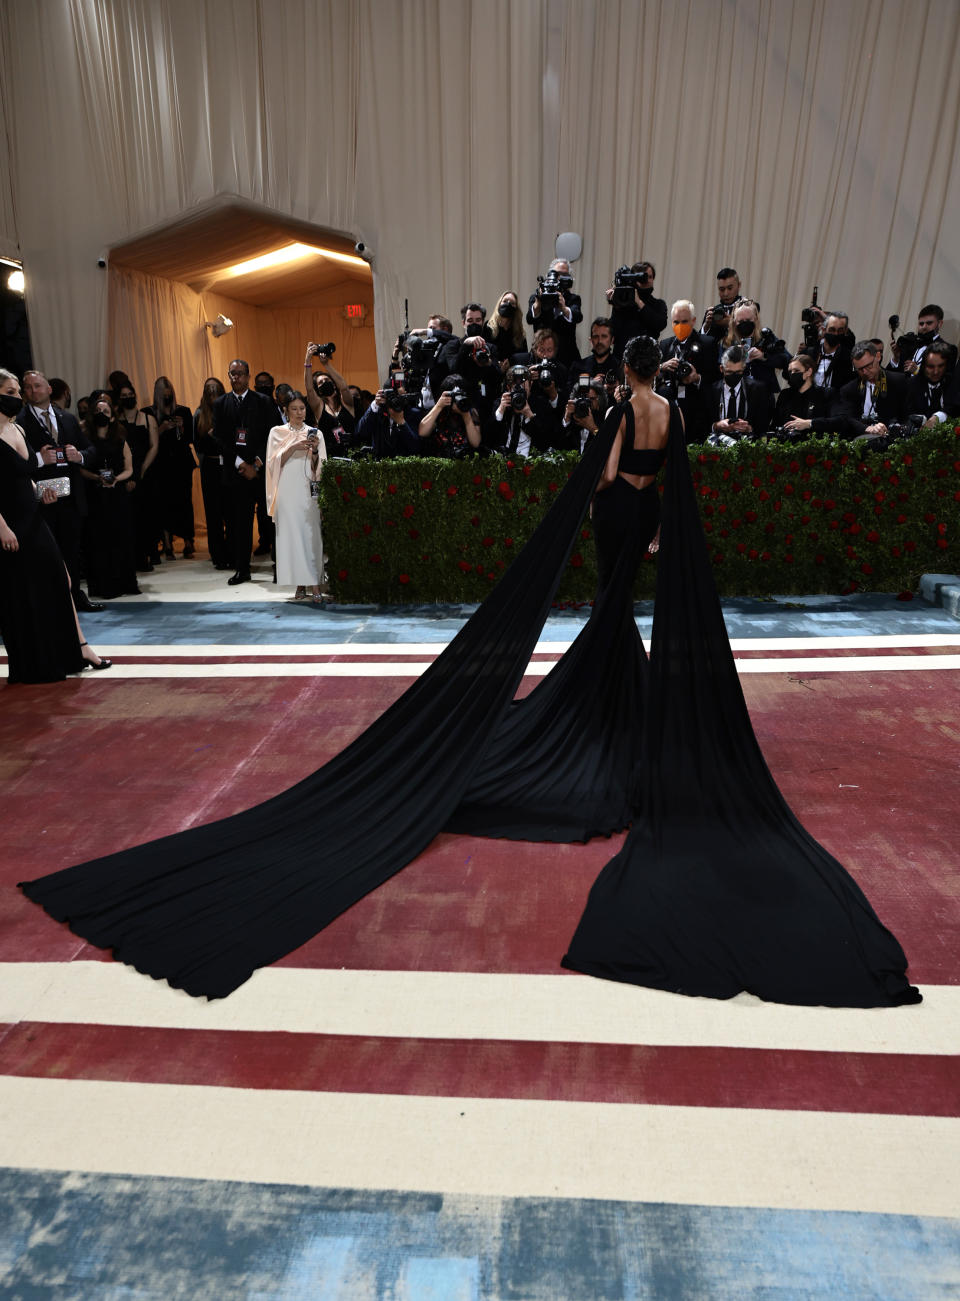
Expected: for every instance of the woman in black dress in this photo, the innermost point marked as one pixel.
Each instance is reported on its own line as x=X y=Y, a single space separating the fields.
x=38 y=622
x=111 y=562
x=717 y=888
x=175 y=464
x=211 y=474
x=140 y=430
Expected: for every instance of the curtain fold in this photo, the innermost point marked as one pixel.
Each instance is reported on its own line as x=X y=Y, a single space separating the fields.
x=802 y=143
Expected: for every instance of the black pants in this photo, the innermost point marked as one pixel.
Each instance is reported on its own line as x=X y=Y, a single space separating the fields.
x=215 y=508
x=244 y=497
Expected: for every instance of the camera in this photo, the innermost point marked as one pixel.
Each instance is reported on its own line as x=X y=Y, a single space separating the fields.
x=543 y=374
x=684 y=370
x=482 y=355
x=897 y=432
x=460 y=399
x=581 y=397
x=324 y=350
x=907 y=345
x=549 y=289
x=768 y=342
x=515 y=382
x=106 y=476
x=720 y=313
x=810 y=319
x=625 y=284
x=788 y=435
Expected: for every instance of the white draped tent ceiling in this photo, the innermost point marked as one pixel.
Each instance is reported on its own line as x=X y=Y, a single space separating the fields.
x=804 y=143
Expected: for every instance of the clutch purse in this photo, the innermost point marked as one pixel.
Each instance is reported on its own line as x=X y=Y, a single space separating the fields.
x=61 y=486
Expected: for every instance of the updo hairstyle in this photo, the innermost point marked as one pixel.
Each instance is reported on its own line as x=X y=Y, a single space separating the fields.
x=642 y=355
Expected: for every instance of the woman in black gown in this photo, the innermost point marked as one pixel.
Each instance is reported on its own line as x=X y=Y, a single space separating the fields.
x=38 y=622
x=717 y=888
x=174 y=467
x=110 y=545
x=140 y=431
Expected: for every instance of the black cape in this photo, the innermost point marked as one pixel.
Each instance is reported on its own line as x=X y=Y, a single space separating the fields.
x=733 y=894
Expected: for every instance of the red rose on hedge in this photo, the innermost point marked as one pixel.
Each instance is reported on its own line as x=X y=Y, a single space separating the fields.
x=361 y=491
x=452 y=490
x=391 y=488
x=407 y=512
x=488 y=542
x=465 y=566
x=414 y=533
x=576 y=560
x=404 y=578
x=427 y=485
x=341 y=574
x=375 y=558
x=508 y=542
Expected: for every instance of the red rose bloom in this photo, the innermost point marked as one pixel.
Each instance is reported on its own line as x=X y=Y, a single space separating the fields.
x=465 y=566
x=407 y=512
x=375 y=558
x=452 y=490
x=391 y=488
x=576 y=560
x=427 y=485
x=414 y=533
x=404 y=578
x=341 y=574
x=488 y=542
x=361 y=491
x=508 y=542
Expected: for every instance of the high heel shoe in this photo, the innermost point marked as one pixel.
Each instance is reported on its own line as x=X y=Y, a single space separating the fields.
x=102 y=661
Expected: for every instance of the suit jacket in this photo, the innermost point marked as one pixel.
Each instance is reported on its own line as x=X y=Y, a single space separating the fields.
x=759 y=404
x=919 y=400
x=839 y=371
x=241 y=428
x=951 y=360
x=891 y=405
x=628 y=322
x=700 y=350
x=70 y=431
x=566 y=331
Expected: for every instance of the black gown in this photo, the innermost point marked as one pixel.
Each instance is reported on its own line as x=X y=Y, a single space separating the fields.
x=205 y=907
x=110 y=545
x=37 y=621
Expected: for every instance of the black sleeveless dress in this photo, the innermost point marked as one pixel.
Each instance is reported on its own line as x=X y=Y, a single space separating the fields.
x=715 y=880
x=37 y=621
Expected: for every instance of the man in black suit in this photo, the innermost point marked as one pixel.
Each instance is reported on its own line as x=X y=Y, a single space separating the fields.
x=600 y=359
x=242 y=420
x=929 y=323
x=872 y=400
x=833 y=368
x=60 y=449
x=742 y=406
x=933 y=392
x=690 y=389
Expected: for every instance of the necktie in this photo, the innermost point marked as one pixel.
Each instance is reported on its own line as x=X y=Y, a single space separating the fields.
x=47 y=420
x=732 y=405
x=515 y=433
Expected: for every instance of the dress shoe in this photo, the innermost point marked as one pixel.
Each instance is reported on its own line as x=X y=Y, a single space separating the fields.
x=85 y=605
x=238 y=578
x=102 y=661
x=222 y=564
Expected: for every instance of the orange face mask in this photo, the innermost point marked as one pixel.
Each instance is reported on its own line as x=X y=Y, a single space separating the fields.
x=682 y=330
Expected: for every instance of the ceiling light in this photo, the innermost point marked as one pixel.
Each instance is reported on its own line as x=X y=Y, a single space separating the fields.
x=291 y=253
x=15 y=282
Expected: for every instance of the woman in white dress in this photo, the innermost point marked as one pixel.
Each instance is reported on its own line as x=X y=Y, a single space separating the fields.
x=295 y=453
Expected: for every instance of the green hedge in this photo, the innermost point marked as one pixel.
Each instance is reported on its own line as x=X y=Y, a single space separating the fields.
x=816 y=516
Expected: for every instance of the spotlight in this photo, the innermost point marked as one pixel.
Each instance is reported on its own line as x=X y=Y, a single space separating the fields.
x=15 y=282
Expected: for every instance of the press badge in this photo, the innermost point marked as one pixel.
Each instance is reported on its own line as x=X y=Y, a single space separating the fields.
x=241 y=438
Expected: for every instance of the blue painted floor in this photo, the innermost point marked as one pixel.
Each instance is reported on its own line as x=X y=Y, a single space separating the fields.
x=166 y=623
x=72 y=1237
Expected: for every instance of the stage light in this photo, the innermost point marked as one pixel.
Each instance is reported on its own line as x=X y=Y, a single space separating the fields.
x=291 y=253
x=15 y=282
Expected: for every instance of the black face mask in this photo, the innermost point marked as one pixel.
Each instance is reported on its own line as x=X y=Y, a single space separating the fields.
x=795 y=379
x=732 y=381
x=507 y=309
x=101 y=419
x=744 y=329
x=833 y=340
x=472 y=331
x=10 y=404
x=926 y=337
x=265 y=389
x=129 y=403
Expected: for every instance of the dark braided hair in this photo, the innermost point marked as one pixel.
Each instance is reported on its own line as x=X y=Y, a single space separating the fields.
x=642 y=355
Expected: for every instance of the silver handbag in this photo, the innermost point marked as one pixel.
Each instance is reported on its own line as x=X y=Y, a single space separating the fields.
x=61 y=486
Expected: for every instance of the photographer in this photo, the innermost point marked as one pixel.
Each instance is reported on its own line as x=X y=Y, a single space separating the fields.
x=716 y=321
x=583 y=413
x=506 y=328
x=834 y=367
x=473 y=358
x=418 y=352
x=874 y=399
x=389 y=425
x=933 y=393
x=600 y=360
x=766 y=354
x=546 y=348
x=556 y=307
x=330 y=400
x=450 y=428
x=689 y=369
x=743 y=405
x=633 y=308
x=907 y=352
x=802 y=405
x=524 y=423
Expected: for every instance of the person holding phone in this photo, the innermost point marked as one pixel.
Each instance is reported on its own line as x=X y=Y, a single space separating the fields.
x=295 y=454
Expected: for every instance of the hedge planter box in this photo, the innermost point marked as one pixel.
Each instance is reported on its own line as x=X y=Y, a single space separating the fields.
x=817 y=516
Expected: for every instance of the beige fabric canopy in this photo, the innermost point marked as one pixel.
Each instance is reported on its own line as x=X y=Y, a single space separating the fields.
x=802 y=143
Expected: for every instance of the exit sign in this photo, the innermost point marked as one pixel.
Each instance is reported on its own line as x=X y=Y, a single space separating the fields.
x=354 y=311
